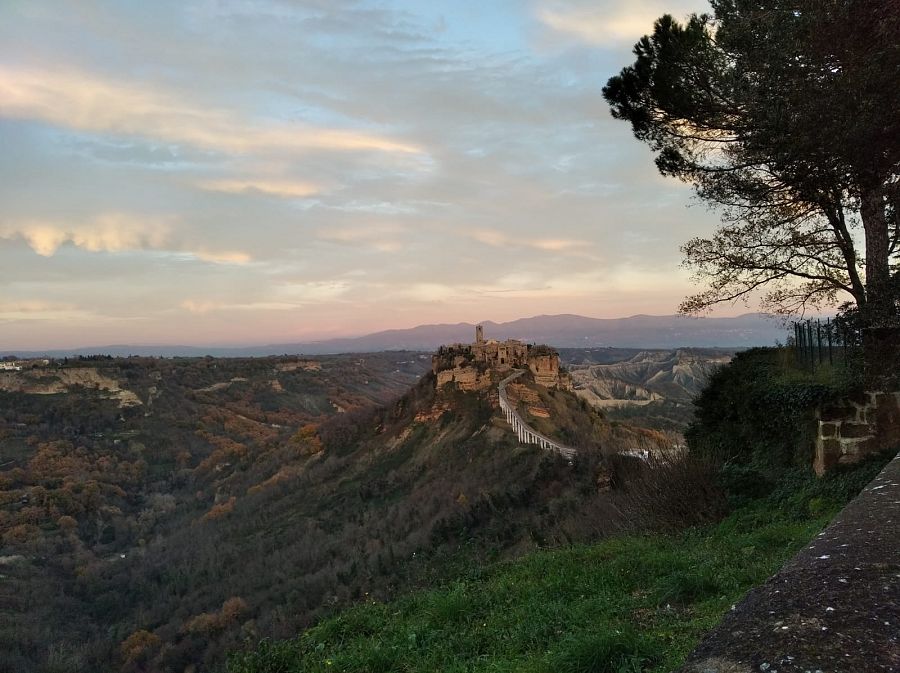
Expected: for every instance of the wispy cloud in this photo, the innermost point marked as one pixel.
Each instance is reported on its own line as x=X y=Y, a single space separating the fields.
x=383 y=237
x=499 y=239
x=112 y=232
x=223 y=257
x=286 y=189
x=204 y=306
x=607 y=24
x=41 y=311
x=88 y=102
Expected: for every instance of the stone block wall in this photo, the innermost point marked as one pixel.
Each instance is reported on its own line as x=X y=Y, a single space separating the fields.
x=465 y=378
x=852 y=429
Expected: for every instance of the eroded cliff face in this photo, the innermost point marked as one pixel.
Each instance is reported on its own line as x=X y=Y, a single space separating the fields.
x=55 y=381
x=544 y=366
x=676 y=375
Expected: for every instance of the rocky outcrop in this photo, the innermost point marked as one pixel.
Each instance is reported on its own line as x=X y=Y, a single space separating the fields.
x=544 y=365
x=54 y=381
x=466 y=378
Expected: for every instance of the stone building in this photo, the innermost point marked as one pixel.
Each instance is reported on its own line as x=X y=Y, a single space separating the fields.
x=543 y=362
x=470 y=365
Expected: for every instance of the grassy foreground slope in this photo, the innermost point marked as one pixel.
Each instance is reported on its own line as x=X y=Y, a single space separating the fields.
x=627 y=604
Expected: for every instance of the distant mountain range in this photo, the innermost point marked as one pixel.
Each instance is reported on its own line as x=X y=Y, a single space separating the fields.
x=562 y=331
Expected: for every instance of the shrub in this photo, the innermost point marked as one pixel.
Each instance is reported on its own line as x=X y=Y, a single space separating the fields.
x=743 y=483
x=683 y=587
x=67 y=523
x=219 y=510
x=233 y=608
x=20 y=534
x=753 y=412
x=208 y=622
x=139 y=646
x=798 y=493
x=668 y=491
x=620 y=651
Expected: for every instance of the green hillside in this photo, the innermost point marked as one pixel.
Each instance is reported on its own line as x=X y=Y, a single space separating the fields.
x=625 y=605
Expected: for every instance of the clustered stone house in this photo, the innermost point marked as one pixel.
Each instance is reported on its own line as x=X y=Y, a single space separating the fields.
x=470 y=365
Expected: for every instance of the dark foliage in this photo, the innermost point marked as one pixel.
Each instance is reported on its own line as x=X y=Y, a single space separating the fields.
x=785 y=117
x=752 y=414
x=668 y=491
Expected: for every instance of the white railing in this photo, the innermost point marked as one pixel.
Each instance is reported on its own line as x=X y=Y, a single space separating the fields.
x=525 y=433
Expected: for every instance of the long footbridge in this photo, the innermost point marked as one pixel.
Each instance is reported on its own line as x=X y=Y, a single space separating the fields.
x=525 y=433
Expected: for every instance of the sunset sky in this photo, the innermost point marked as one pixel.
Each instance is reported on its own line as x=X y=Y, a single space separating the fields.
x=251 y=171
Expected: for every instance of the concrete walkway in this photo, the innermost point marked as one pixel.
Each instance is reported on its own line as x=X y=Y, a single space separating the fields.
x=834 y=608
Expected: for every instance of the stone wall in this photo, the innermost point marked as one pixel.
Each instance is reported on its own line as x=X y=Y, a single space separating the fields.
x=852 y=429
x=465 y=378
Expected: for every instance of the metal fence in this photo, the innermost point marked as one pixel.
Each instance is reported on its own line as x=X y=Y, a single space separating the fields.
x=817 y=343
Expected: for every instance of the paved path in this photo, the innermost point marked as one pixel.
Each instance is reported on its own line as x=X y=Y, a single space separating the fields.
x=525 y=433
x=834 y=608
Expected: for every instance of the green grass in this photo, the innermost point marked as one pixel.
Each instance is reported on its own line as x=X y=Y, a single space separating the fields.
x=625 y=605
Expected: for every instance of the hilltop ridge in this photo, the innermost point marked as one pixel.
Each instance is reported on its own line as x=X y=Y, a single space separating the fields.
x=563 y=331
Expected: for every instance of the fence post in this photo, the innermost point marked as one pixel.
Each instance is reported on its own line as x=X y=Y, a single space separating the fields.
x=843 y=336
x=803 y=352
x=812 y=347
x=819 y=340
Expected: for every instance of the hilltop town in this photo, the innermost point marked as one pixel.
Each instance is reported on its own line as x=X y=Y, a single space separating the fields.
x=475 y=366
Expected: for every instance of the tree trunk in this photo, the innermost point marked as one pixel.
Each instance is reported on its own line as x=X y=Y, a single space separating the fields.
x=835 y=214
x=880 y=309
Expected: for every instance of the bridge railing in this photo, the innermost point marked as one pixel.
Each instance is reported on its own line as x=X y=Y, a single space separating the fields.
x=525 y=432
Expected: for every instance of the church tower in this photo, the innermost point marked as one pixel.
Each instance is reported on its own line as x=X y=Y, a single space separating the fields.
x=479 y=334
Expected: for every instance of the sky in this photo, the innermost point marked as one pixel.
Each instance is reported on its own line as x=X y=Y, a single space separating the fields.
x=218 y=172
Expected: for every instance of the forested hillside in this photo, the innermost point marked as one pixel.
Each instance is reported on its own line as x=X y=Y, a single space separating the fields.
x=231 y=500
x=103 y=460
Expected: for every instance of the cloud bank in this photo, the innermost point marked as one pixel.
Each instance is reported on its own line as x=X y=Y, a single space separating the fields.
x=225 y=171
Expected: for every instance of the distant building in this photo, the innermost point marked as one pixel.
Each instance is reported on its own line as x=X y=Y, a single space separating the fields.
x=470 y=365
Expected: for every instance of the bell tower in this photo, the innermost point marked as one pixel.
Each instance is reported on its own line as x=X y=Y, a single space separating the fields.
x=479 y=334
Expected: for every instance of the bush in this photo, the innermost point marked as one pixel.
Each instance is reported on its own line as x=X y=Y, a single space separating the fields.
x=798 y=493
x=743 y=483
x=753 y=413
x=683 y=587
x=139 y=646
x=668 y=491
